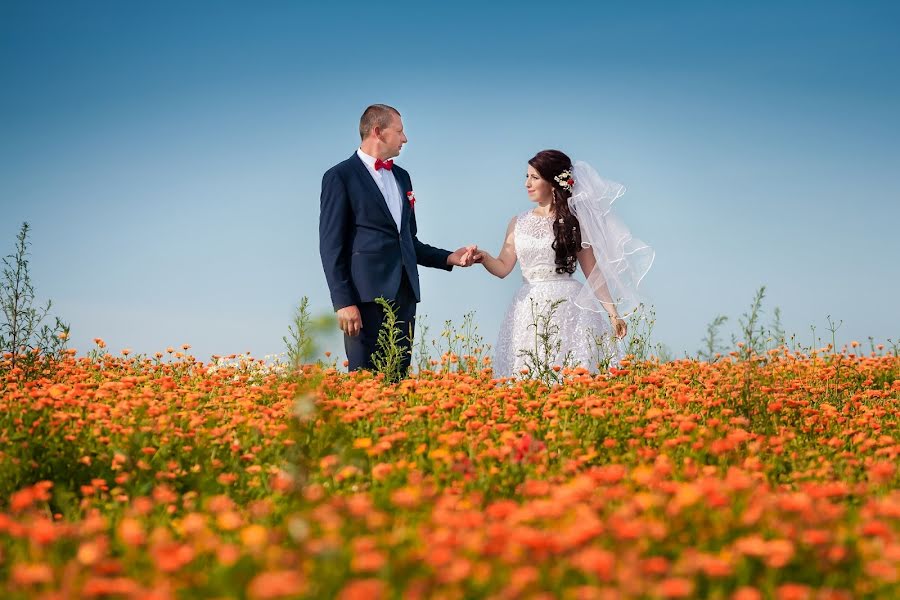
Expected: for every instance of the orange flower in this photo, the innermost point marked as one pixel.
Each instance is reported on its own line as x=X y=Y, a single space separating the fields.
x=254 y=536
x=89 y=552
x=110 y=586
x=171 y=556
x=406 y=497
x=21 y=500
x=229 y=520
x=596 y=561
x=276 y=584
x=368 y=561
x=228 y=554
x=131 y=532
x=793 y=591
x=26 y=497
x=226 y=478
x=779 y=553
x=458 y=570
x=746 y=593
x=30 y=574
x=655 y=565
x=884 y=570
x=882 y=471
x=714 y=566
x=752 y=545
x=44 y=532
x=687 y=495
x=523 y=577
x=363 y=589
x=381 y=471
x=676 y=587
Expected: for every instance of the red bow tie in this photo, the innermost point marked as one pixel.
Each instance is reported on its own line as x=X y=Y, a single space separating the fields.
x=383 y=164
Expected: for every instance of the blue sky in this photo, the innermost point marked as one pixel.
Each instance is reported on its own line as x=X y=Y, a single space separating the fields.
x=168 y=155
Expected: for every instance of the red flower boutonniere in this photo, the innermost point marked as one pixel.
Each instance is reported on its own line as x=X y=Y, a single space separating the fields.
x=411 y=196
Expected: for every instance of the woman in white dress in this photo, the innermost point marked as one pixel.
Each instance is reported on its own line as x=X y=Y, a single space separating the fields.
x=572 y=224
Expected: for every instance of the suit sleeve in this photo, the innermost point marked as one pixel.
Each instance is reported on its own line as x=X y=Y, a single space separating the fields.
x=427 y=256
x=335 y=233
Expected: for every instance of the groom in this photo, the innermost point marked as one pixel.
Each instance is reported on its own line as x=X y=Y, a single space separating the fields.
x=367 y=239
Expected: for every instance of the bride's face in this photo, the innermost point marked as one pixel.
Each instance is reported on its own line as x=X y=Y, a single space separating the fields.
x=539 y=190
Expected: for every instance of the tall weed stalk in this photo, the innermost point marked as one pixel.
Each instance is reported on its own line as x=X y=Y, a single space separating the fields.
x=26 y=340
x=388 y=359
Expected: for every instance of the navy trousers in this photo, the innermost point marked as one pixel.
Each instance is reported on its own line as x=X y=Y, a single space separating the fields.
x=360 y=348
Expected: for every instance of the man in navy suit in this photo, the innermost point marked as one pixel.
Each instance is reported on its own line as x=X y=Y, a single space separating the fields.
x=367 y=238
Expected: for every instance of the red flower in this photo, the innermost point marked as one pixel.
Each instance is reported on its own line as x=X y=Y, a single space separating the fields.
x=571 y=182
x=526 y=447
x=412 y=199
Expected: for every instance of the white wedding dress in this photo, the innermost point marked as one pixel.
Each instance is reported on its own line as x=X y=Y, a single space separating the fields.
x=585 y=336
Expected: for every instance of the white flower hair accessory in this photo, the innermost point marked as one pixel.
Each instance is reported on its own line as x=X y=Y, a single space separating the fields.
x=565 y=180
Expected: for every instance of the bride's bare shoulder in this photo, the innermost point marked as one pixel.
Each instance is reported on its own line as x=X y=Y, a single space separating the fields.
x=522 y=215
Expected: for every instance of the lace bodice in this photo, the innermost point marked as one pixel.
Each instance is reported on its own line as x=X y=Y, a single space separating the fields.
x=534 y=248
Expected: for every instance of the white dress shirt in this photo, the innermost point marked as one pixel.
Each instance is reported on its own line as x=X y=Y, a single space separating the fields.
x=387 y=183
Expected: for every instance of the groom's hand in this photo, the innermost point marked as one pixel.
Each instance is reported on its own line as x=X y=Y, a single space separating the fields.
x=349 y=320
x=464 y=257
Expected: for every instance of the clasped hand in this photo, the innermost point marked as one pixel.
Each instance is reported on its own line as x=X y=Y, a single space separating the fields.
x=465 y=256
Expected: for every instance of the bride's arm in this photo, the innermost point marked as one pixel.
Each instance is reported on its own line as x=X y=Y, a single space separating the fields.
x=601 y=290
x=506 y=260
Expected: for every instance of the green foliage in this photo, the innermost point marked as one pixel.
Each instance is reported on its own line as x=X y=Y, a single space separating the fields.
x=753 y=342
x=753 y=339
x=472 y=348
x=463 y=350
x=833 y=327
x=541 y=360
x=712 y=350
x=895 y=347
x=638 y=342
x=422 y=358
x=776 y=329
x=30 y=343
x=303 y=344
x=600 y=345
x=388 y=359
x=300 y=344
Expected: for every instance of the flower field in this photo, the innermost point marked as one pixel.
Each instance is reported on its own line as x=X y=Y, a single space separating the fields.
x=775 y=477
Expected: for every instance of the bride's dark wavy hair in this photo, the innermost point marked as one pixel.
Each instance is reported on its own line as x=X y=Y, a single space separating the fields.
x=566 y=231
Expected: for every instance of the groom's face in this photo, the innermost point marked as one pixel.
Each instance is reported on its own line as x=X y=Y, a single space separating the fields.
x=393 y=137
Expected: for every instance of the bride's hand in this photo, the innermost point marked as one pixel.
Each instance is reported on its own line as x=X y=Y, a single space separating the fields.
x=478 y=257
x=620 y=326
x=462 y=257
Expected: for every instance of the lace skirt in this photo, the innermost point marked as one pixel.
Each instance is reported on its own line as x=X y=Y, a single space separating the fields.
x=585 y=336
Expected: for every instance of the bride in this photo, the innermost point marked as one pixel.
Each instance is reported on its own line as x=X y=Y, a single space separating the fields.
x=571 y=223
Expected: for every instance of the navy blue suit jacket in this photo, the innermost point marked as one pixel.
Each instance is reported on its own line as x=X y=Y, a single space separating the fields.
x=362 y=252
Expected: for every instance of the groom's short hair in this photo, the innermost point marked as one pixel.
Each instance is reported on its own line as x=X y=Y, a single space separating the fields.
x=377 y=115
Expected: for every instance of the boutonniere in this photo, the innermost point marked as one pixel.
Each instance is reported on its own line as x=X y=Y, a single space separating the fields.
x=411 y=196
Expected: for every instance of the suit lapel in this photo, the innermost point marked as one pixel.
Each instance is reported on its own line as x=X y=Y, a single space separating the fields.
x=404 y=204
x=363 y=172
